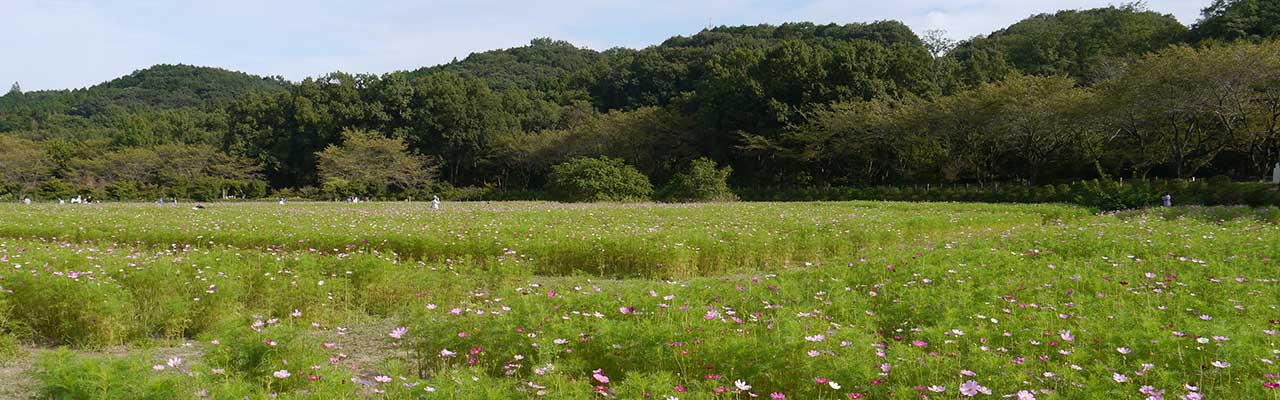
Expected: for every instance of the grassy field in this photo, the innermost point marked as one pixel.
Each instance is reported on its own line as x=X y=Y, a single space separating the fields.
x=726 y=301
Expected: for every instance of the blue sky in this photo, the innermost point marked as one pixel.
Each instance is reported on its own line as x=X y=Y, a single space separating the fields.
x=55 y=44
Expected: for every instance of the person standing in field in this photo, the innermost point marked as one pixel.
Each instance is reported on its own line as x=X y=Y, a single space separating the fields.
x=435 y=202
x=1167 y=200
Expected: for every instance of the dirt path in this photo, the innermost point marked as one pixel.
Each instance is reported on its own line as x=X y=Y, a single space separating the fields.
x=15 y=378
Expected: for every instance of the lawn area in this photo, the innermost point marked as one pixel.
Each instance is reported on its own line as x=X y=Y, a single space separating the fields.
x=710 y=301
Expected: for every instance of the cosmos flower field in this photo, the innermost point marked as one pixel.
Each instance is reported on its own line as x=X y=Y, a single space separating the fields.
x=857 y=300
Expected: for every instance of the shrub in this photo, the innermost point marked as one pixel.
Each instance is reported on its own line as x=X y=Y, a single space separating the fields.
x=66 y=310
x=65 y=375
x=598 y=179
x=701 y=182
x=55 y=188
x=1107 y=194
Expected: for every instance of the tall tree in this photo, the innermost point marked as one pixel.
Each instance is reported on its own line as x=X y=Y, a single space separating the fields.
x=23 y=162
x=1162 y=109
x=368 y=159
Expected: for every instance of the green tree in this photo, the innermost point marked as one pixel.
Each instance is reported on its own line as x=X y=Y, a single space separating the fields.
x=702 y=181
x=1071 y=42
x=1230 y=20
x=598 y=179
x=1162 y=109
x=460 y=118
x=1044 y=123
x=368 y=159
x=650 y=138
x=24 y=162
x=1242 y=82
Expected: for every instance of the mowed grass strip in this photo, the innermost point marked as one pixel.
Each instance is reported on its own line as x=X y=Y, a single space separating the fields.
x=639 y=240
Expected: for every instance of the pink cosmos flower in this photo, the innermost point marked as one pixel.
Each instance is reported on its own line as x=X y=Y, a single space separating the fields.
x=777 y=396
x=971 y=388
x=281 y=374
x=1119 y=378
x=1026 y=395
x=599 y=376
x=382 y=378
x=398 y=332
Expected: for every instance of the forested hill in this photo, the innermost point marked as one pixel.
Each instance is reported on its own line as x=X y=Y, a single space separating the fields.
x=544 y=63
x=1057 y=97
x=110 y=109
x=1072 y=42
x=160 y=86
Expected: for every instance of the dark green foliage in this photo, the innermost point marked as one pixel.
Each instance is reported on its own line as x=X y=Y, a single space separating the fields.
x=702 y=181
x=143 y=93
x=1229 y=20
x=1100 y=194
x=597 y=179
x=1072 y=42
x=178 y=86
x=544 y=63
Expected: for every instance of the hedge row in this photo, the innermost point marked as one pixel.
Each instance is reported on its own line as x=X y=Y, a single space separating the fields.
x=199 y=189
x=1100 y=194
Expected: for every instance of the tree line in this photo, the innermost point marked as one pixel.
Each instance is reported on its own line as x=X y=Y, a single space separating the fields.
x=1120 y=91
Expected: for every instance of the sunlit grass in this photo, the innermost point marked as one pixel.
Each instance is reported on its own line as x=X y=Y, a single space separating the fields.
x=819 y=300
